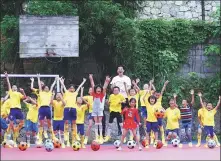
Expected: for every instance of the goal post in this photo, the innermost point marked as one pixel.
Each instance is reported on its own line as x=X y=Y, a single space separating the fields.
x=34 y=75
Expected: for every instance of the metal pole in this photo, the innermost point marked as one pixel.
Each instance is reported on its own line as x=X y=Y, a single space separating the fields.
x=28 y=75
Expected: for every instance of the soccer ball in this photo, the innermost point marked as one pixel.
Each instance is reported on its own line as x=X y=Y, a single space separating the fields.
x=159 y=113
x=95 y=146
x=57 y=144
x=211 y=144
x=175 y=142
x=23 y=146
x=76 y=146
x=131 y=144
x=117 y=143
x=48 y=141
x=49 y=146
x=11 y=143
x=158 y=144
x=144 y=143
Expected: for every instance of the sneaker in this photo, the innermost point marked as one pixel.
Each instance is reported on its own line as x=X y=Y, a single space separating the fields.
x=28 y=145
x=131 y=138
x=140 y=148
x=78 y=137
x=198 y=145
x=165 y=144
x=147 y=147
x=65 y=136
x=107 y=138
x=68 y=144
x=180 y=145
x=125 y=140
x=15 y=145
x=206 y=146
x=119 y=149
x=45 y=134
x=85 y=140
x=62 y=145
x=151 y=141
x=190 y=144
x=101 y=140
x=83 y=146
x=97 y=138
x=218 y=144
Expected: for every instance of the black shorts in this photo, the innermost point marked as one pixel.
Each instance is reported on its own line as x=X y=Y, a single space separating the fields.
x=115 y=115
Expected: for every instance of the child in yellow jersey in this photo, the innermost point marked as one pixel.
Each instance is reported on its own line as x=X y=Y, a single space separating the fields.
x=173 y=116
x=58 y=120
x=70 y=112
x=89 y=99
x=45 y=95
x=32 y=118
x=115 y=101
x=15 y=110
x=4 y=125
x=208 y=118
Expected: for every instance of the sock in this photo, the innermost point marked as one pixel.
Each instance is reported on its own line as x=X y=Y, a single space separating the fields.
x=109 y=130
x=162 y=133
x=138 y=133
x=40 y=133
x=74 y=132
x=5 y=135
x=216 y=139
x=100 y=129
x=15 y=135
x=66 y=131
x=35 y=139
x=82 y=139
x=96 y=130
x=151 y=136
x=199 y=138
x=51 y=133
x=62 y=137
x=131 y=135
x=28 y=138
x=207 y=138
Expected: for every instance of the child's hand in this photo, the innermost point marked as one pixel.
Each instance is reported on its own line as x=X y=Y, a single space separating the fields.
x=32 y=79
x=133 y=82
x=192 y=92
x=6 y=74
x=166 y=82
x=62 y=79
x=219 y=97
x=174 y=95
x=90 y=76
x=21 y=90
x=38 y=75
x=84 y=79
x=108 y=78
x=199 y=94
x=137 y=80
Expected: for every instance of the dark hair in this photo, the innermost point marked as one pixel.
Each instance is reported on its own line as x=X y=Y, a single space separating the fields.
x=120 y=66
x=98 y=86
x=132 y=89
x=152 y=97
x=71 y=85
x=43 y=87
x=33 y=96
x=116 y=87
x=133 y=99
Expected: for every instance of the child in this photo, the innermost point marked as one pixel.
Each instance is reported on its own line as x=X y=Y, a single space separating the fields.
x=32 y=118
x=186 y=119
x=4 y=125
x=15 y=110
x=114 y=102
x=129 y=124
x=45 y=95
x=98 y=94
x=89 y=100
x=208 y=119
x=173 y=116
x=70 y=113
x=58 y=121
x=81 y=109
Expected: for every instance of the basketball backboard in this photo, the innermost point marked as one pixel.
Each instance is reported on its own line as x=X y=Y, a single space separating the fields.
x=42 y=36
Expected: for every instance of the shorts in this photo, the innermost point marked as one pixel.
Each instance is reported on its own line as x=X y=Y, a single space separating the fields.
x=209 y=130
x=160 y=121
x=152 y=126
x=15 y=114
x=98 y=112
x=44 y=111
x=58 y=125
x=89 y=117
x=143 y=111
x=70 y=114
x=4 y=125
x=129 y=124
x=174 y=130
x=186 y=125
x=80 y=129
x=31 y=126
x=116 y=115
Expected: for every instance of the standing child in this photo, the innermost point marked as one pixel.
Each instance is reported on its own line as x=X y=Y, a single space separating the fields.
x=81 y=109
x=173 y=116
x=130 y=113
x=98 y=94
x=58 y=120
x=4 y=125
x=32 y=118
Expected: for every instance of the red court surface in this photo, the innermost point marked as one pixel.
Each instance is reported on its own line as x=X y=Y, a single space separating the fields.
x=108 y=152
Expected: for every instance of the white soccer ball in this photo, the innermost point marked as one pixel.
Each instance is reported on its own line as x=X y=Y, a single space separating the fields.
x=131 y=144
x=117 y=143
x=11 y=143
x=175 y=142
x=211 y=144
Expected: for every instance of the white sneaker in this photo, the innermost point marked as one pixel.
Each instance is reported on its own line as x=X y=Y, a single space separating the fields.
x=140 y=148
x=119 y=149
x=190 y=144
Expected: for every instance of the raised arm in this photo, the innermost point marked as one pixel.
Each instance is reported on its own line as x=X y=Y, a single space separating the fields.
x=79 y=87
x=8 y=82
x=125 y=87
x=174 y=97
x=32 y=83
x=82 y=92
x=62 y=85
x=106 y=83
x=218 y=104
x=52 y=97
x=23 y=93
x=53 y=84
x=6 y=97
x=135 y=85
x=39 y=83
x=32 y=101
x=164 y=87
x=192 y=94
x=91 y=81
x=201 y=101
x=153 y=87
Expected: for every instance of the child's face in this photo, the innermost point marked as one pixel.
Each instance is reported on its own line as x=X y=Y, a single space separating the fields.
x=157 y=95
x=133 y=103
x=116 y=91
x=46 y=89
x=14 y=88
x=145 y=86
x=98 y=90
x=132 y=92
x=152 y=101
x=209 y=106
x=58 y=97
x=172 y=103
x=42 y=83
x=79 y=100
x=90 y=91
x=71 y=89
x=184 y=103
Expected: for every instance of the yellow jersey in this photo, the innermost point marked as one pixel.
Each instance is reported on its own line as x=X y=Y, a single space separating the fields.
x=208 y=117
x=136 y=97
x=70 y=99
x=81 y=114
x=89 y=100
x=58 y=110
x=32 y=114
x=200 y=114
x=142 y=94
x=159 y=102
x=5 y=109
x=151 y=109
x=173 y=116
x=45 y=98
x=115 y=102
x=36 y=91
x=15 y=99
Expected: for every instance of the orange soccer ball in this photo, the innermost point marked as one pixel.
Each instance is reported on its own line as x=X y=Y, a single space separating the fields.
x=57 y=144
x=23 y=146
x=95 y=146
x=158 y=144
x=144 y=143
x=159 y=113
